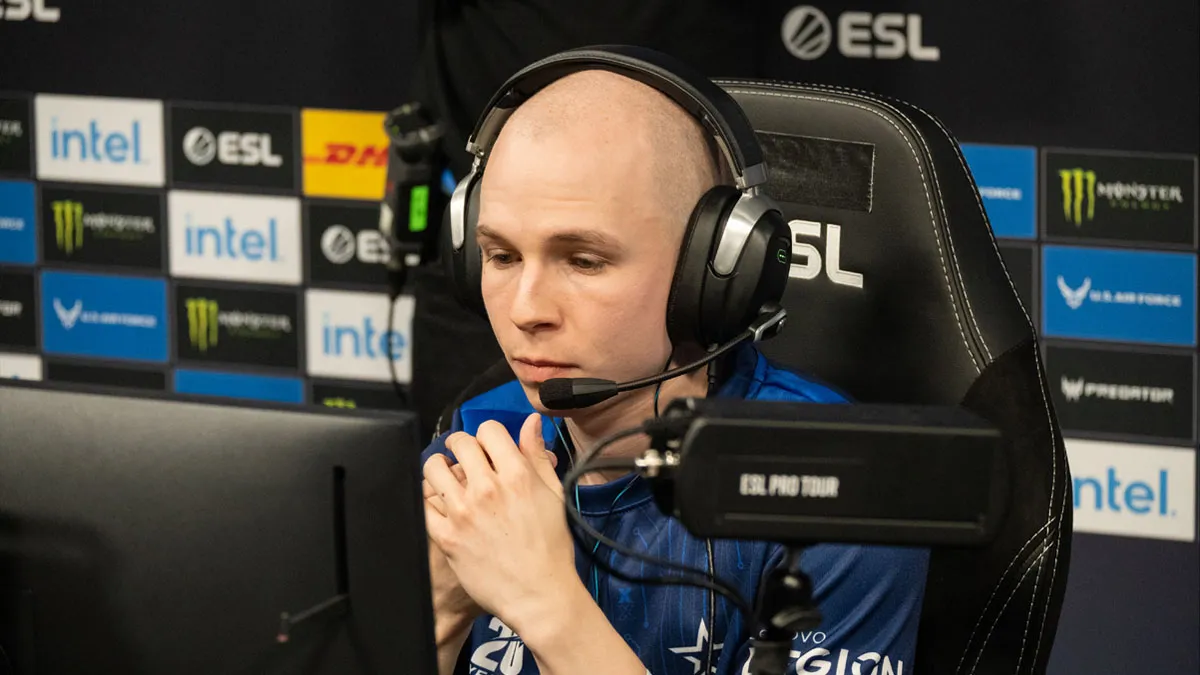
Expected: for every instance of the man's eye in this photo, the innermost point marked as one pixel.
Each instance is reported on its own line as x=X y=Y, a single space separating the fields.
x=500 y=258
x=587 y=263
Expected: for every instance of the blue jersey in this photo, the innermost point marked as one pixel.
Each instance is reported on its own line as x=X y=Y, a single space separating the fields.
x=869 y=596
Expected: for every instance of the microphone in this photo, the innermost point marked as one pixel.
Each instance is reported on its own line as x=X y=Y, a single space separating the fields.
x=413 y=138
x=570 y=393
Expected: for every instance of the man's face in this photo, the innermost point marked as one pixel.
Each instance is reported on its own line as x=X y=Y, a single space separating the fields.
x=579 y=249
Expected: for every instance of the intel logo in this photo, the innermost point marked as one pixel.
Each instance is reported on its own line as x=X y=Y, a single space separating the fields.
x=99 y=140
x=360 y=340
x=1133 y=490
x=230 y=242
x=94 y=144
x=234 y=237
x=349 y=337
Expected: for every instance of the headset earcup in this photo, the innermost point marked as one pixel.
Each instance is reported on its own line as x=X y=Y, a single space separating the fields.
x=685 y=302
x=731 y=303
x=463 y=265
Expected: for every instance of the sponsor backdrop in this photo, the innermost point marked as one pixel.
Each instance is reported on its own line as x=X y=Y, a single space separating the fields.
x=209 y=226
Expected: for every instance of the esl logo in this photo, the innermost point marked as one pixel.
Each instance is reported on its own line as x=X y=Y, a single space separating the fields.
x=23 y=10
x=99 y=140
x=807 y=261
x=807 y=34
x=236 y=237
x=233 y=146
x=348 y=336
x=201 y=146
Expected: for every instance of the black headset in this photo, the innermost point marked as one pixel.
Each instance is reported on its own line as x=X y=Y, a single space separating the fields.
x=737 y=248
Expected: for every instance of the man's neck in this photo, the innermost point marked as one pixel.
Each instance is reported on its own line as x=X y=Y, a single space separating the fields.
x=630 y=410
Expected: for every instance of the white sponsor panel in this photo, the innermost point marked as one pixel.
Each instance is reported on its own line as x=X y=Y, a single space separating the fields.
x=1133 y=490
x=20 y=367
x=347 y=336
x=236 y=237
x=99 y=140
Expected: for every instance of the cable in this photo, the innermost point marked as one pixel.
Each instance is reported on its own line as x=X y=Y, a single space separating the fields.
x=659 y=386
x=685 y=369
x=393 y=295
x=693 y=577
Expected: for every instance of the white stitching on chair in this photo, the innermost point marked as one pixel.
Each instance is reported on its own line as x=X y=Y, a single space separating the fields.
x=1041 y=558
x=945 y=217
x=961 y=160
x=1050 y=517
x=924 y=184
x=996 y=589
x=1062 y=509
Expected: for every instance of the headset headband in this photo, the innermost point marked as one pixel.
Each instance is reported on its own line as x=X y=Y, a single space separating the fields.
x=712 y=106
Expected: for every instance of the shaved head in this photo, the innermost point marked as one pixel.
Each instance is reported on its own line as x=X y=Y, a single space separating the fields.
x=624 y=122
x=582 y=210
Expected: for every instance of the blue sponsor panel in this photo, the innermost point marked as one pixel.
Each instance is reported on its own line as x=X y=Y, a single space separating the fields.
x=18 y=229
x=104 y=316
x=1007 y=180
x=239 y=386
x=1119 y=295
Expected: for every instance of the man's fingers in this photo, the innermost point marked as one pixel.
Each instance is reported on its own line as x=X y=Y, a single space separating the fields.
x=471 y=456
x=436 y=526
x=441 y=478
x=499 y=446
x=533 y=445
x=433 y=497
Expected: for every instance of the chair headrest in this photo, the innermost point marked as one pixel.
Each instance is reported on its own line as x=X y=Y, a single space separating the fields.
x=897 y=290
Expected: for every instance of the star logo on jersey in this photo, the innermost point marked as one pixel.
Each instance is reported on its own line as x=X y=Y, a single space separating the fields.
x=697 y=653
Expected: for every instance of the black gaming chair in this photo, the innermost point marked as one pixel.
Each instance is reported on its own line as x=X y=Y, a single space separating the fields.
x=899 y=295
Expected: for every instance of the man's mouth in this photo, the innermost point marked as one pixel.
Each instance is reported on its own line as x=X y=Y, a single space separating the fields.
x=539 y=370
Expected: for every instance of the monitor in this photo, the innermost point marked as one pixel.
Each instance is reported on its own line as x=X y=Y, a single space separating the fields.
x=147 y=535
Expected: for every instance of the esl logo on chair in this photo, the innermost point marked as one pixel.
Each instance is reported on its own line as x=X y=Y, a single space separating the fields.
x=348 y=336
x=1133 y=490
x=236 y=237
x=99 y=140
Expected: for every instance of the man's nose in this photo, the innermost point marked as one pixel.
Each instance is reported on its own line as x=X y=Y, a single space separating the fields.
x=534 y=307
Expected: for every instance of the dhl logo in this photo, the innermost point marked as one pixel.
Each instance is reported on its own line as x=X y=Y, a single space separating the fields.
x=345 y=154
x=350 y=154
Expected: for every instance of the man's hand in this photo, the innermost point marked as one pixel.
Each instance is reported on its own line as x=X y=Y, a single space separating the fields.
x=453 y=609
x=503 y=528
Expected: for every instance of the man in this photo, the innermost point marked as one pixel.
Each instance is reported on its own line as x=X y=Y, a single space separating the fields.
x=467 y=50
x=583 y=207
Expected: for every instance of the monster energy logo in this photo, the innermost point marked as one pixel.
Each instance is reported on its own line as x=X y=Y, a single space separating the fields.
x=203 y=322
x=68 y=225
x=70 y=219
x=1080 y=187
x=205 y=319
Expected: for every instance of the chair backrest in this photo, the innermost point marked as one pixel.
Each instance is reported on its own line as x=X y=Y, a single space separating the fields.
x=898 y=294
